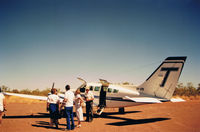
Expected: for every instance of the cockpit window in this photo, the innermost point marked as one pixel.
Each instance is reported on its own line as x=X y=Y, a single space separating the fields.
x=115 y=91
x=109 y=90
x=96 y=88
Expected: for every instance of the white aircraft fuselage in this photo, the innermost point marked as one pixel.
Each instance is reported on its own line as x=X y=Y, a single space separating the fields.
x=115 y=95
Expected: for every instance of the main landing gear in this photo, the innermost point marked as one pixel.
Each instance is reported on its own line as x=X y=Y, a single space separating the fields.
x=121 y=110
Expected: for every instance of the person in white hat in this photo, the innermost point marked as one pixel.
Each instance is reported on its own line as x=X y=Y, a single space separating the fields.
x=89 y=97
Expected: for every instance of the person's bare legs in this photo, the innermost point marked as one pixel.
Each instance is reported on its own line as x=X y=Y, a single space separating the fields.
x=79 y=124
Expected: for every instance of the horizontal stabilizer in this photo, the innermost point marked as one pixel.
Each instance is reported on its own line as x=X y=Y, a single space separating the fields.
x=177 y=100
x=27 y=96
x=173 y=100
x=144 y=100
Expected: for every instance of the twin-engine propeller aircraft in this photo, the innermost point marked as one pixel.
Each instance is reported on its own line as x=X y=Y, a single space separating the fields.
x=157 y=88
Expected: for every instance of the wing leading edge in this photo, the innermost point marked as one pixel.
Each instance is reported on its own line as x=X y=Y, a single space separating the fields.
x=26 y=96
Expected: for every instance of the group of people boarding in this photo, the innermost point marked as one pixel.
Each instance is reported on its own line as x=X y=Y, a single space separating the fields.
x=70 y=99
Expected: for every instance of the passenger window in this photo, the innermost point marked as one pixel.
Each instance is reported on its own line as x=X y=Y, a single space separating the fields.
x=91 y=88
x=115 y=91
x=82 y=90
x=96 y=88
x=105 y=89
x=142 y=89
x=109 y=90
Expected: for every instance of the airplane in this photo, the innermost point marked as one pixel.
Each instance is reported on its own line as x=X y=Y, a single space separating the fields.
x=157 y=88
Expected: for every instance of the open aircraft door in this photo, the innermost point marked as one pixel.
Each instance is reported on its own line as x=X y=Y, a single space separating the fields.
x=102 y=96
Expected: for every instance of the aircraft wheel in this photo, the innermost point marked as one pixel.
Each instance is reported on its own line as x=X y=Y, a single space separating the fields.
x=121 y=110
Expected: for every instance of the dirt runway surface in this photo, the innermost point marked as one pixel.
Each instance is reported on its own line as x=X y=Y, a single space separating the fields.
x=165 y=117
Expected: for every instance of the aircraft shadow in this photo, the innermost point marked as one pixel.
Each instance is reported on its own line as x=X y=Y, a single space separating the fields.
x=128 y=121
x=117 y=113
x=138 y=121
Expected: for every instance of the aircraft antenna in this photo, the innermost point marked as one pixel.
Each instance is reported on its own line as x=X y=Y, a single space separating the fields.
x=53 y=85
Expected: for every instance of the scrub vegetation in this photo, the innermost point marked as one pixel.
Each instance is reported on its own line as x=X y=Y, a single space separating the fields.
x=27 y=91
x=188 y=92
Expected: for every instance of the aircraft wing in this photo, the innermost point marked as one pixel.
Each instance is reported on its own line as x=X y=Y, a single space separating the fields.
x=144 y=99
x=33 y=96
x=27 y=96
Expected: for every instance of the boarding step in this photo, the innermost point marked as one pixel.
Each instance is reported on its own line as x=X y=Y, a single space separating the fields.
x=100 y=110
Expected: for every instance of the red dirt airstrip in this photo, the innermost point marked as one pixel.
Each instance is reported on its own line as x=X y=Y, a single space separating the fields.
x=24 y=115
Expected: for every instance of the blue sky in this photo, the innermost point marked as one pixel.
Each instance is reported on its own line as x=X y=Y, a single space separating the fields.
x=45 y=41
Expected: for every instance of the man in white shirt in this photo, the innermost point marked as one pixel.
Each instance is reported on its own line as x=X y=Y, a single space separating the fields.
x=68 y=103
x=89 y=97
x=2 y=105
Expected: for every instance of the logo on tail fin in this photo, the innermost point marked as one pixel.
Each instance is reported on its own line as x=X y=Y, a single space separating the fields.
x=168 y=69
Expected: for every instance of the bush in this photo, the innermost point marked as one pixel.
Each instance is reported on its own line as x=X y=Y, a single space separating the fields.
x=188 y=90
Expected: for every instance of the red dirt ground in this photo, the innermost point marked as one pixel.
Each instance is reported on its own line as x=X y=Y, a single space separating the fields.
x=165 y=117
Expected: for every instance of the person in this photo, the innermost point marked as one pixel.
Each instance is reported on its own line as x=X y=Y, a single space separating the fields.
x=79 y=110
x=2 y=105
x=68 y=103
x=53 y=107
x=89 y=97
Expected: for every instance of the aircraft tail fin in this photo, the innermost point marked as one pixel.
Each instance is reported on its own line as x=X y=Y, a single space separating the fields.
x=162 y=82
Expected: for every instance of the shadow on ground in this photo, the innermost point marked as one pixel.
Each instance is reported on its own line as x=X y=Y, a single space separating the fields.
x=128 y=121
x=107 y=115
x=45 y=124
x=38 y=115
